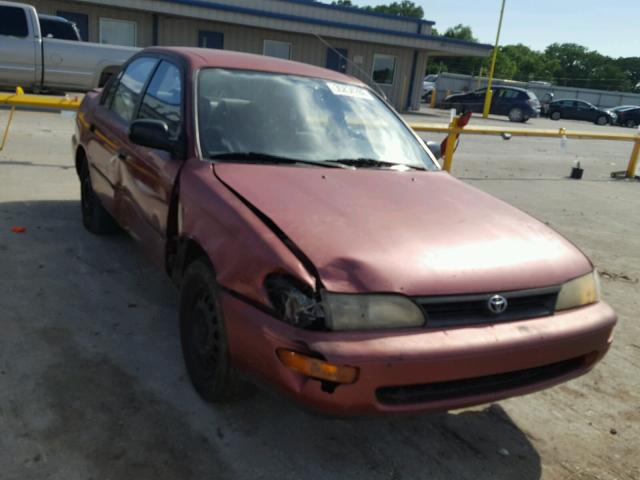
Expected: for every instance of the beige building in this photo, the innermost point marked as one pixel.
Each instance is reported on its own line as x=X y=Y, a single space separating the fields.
x=389 y=51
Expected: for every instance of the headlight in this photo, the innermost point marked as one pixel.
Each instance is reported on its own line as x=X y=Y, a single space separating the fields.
x=369 y=312
x=580 y=291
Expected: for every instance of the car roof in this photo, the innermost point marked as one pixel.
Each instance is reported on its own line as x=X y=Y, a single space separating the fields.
x=199 y=58
x=54 y=18
x=506 y=87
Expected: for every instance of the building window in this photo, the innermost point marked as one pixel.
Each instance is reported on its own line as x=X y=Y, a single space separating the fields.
x=274 y=48
x=80 y=19
x=210 y=39
x=384 y=69
x=118 y=32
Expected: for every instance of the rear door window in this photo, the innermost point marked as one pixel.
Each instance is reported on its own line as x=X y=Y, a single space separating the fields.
x=58 y=29
x=129 y=89
x=163 y=98
x=13 y=22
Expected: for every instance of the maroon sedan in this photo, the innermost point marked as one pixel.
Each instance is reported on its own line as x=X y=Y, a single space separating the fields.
x=319 y=248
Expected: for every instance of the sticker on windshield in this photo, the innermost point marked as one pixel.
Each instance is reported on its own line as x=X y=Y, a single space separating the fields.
x=349 y=90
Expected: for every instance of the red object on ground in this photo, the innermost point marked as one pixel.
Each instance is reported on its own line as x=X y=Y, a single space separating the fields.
x=18 y=229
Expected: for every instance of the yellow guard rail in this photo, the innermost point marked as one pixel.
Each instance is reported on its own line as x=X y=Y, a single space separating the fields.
x=453 y=131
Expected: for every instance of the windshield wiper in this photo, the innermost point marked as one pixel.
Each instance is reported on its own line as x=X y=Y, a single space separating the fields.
x=372 y=162
x=257 y=157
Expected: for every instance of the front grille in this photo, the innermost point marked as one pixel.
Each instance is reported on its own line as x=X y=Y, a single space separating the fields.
x=430 y=392
x=459 y=310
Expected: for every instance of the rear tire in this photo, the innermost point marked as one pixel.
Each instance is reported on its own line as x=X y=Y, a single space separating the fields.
x=555 y=116
x=516 y=115
x=631 y=123
x=94 y=217
x=601 y=120
x=203 y=334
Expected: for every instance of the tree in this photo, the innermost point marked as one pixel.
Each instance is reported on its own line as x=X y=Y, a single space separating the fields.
x=404 y=8
x=461 y=32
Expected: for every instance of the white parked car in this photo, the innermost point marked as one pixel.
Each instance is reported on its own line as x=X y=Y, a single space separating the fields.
x=40 y=62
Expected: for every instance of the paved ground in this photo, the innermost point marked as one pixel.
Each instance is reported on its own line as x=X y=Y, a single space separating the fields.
x=92 y=384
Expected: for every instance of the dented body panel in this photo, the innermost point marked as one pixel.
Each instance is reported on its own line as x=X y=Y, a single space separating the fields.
x=416 y=234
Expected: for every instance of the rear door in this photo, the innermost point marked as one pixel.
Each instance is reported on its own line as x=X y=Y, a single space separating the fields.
x=19 y=47
x=109 y=125
x=584 y=111
x=149 y=175
x=503 y=101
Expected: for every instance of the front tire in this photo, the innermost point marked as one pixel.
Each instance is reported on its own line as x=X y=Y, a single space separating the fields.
x=203 y=334
x=601 y=120
x=555 y=116
x=94 y=216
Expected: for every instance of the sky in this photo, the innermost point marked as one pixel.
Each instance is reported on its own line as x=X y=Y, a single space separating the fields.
x=610 y=27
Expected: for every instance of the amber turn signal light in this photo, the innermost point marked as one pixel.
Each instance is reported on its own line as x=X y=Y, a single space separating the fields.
x=316 y=368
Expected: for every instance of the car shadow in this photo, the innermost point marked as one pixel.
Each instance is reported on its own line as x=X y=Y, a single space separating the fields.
x=93 y=326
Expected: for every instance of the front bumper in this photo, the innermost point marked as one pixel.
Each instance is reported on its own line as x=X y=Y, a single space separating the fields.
x=387 y=359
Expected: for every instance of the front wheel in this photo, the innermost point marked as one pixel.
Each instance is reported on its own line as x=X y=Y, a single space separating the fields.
x=203 y=333
x=601 y=120
x=555 y=116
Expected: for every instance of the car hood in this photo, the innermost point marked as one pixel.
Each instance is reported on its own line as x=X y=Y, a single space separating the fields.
x=416 y=233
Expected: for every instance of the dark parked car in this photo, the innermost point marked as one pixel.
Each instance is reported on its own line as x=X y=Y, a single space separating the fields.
x=580 y=110
x=58 y=27
x=517 y=103
x=628 y=117
x=318 y=246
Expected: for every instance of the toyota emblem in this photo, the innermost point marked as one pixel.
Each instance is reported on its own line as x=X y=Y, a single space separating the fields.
x=497 y=304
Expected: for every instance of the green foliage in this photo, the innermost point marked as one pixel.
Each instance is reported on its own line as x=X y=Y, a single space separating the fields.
x=563 y=64
x=404 y=8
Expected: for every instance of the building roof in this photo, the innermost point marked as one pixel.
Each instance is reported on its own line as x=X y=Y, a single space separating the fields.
x=346 y=8
x=307 y=17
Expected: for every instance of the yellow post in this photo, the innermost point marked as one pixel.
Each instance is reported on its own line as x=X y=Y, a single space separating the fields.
x=633 y=162
x=6 y=130
x=433 y=98
x=451 y=144
x=488 y=96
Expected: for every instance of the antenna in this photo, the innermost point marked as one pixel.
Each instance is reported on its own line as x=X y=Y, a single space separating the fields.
x=372 y=82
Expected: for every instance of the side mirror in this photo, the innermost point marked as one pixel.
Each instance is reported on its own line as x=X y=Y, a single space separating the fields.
x=152 y=134
x=434 y=147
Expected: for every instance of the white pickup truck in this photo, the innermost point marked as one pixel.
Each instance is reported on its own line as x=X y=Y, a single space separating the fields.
x=43 y=64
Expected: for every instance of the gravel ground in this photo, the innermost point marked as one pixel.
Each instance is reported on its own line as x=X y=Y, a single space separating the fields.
x=92 y=384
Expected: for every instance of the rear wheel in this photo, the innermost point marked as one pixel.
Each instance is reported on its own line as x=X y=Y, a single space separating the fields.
x=516 y=115
x=203 y=334
x=631 y=123
x=555 y=116
x=94 y=217
x=601 y=120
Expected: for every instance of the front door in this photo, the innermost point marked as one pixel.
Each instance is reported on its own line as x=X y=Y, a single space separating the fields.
x=19 y=48
x=337 y=59
x=149 y=175
x=210 y=39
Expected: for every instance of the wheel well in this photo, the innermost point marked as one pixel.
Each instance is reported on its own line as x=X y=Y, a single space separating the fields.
x=188 y=251
x=81 y=156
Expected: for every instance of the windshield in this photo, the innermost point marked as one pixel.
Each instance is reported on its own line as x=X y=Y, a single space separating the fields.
x=290 y=117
